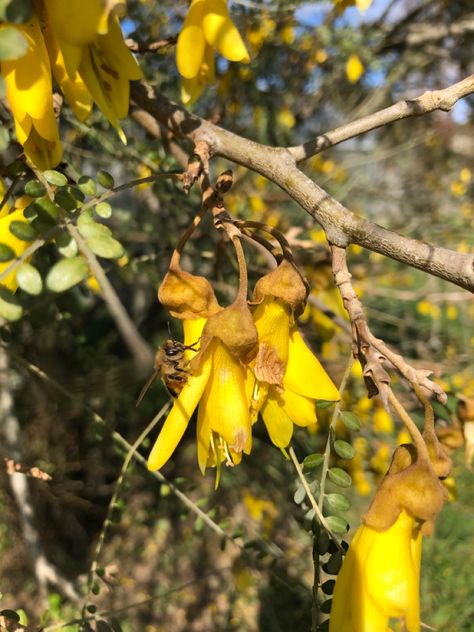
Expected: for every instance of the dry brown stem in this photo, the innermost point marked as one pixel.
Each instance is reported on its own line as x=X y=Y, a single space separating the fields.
x=371 y=351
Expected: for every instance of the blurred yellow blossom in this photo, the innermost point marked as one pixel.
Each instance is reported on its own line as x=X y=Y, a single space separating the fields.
x=354 y=68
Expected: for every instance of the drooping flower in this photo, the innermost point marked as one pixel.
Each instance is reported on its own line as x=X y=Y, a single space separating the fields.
x=90 y=58
x=207 y=28
x=29 y=95
x=379 y=579
x=287 y=376
x=217 y=372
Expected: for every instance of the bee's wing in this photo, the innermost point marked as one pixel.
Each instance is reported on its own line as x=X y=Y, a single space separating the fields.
x=149 y=382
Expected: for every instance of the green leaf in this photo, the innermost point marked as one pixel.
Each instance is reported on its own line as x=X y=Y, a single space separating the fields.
x=89 y=228
x=66 y=245
x=312 y=461
x=337 y=524
x=344 y=449
x=106 y=247
x=6 y=253
x=322 y=542
x=328 y=587
x=19 y=11
x=13 y=44
x=29 y=279
x=324 y=403
x=337 y=502
x=55 y=178
x=87 y=185
x=105 y=179
x=34 y=188
x=299 y=495
x=326 y=606
x=4 y=135
x=334 y=563
x=66 y=273
x=23 y=230
x=65 y=199
x=10 y=307
x=350 y=420
x=103 y=209
x=339 y=477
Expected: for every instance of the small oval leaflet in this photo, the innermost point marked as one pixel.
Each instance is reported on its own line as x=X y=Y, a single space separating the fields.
x=10 y=307
x=328 y=586
x=106 y=247
x=6 y=253
x=299 y=495
x=87 y=185
x=29 y=279
x=34 y=188
x=55 y=177
x=334 y=563
x=324 y=403
x=350 y=420
x=312 y=461
x=339 y=477
x=23 y=230
x=13 y=44
x=343 y=449
x=337 y=502
x=66 y=273
x=103 y=209
x=337 y=524
x=105 y=179
x=326 y=606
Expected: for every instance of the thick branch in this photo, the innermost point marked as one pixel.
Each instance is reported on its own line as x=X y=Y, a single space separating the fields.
x=427 y=102
x=341 y=225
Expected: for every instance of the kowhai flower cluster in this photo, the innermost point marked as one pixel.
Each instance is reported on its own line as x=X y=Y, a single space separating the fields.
x=249 y=360
x=79 y=43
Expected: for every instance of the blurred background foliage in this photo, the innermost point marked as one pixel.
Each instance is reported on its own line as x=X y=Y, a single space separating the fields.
x=315 y=65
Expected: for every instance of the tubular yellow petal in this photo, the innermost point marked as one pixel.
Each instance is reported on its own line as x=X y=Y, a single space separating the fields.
x=43 y=153
x=277 y=422
x=305 y=374
x=99 y=89
x=220 y=32
x=179 y=416
x=117 y=52
x=225 y=400
x=203 y=438
x=72 y=86
x=28 y=79
x=191 y=43
x=17 y=245
x=300 y=409
x=191 y=89
x=272 y=319
x=76 y=22
x=6 y=207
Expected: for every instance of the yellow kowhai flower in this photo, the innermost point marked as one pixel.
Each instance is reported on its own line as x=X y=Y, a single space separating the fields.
x=87 y=46
x=379 y=579
x=207 y=28
x=17 y=245
x=218 y=386
x=29 y=95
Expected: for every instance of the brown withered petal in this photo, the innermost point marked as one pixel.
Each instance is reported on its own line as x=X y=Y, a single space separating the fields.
x=186 y=295
x=268 y=366
x=286 y=283
x=235 y=328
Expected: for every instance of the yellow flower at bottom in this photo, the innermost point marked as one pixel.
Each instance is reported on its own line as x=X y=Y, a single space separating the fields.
x=379 y=579
x=218 y=386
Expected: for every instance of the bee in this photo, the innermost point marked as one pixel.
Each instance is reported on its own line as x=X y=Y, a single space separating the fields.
x=171 y=366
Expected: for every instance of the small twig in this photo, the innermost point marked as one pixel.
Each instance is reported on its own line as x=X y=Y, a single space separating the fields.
x=150 y=47
x=421 y=449
x=312 y=499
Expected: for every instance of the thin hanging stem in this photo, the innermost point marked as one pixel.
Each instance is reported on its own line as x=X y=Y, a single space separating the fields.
x=422 y=450
x=243 y=279
x=185 y=236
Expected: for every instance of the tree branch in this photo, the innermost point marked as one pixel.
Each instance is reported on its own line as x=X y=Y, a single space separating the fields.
x=341 y=225
x=428 y=102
